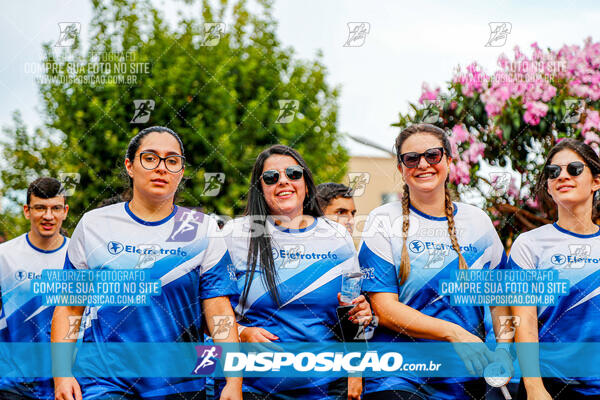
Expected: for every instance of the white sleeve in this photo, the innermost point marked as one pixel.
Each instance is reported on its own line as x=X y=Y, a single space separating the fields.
x=76 y=254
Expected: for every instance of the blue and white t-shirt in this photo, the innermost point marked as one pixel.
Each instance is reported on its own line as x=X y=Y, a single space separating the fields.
x=23 y=317
x=309 y=264
x=432 y=259
x=575 y=318
x=189 y=257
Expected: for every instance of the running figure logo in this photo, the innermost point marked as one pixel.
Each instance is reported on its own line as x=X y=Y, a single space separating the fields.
x=212 y=183
x=509 y=324
x=579 y=255
x=74 y=325
x=143 y=108
x=222 y=326
x=69 y=31
x=358 y=182
x=207 y=356
x=148 y=255
x=69 y=181
x=292 y=255
x=437 y=258
x=499 y=32
x=287 y=111
x=213 y=32
x=431 y=111
x=573 y=110
x=357 y=33
x=186 y=226
x=500 y=183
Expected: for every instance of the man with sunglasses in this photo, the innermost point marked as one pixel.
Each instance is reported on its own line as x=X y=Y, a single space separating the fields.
x=23 y=317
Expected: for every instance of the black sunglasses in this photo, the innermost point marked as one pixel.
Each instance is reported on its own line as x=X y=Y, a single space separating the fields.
x=574 y=168
x=432 y=156
x=271 y=176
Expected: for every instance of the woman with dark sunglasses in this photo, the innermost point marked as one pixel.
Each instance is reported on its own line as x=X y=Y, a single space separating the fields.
x=289 y=261
x=408 y=247
x=569 y=181
x=177 y=247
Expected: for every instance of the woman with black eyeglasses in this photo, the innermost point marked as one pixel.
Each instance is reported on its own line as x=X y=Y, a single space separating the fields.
x=408 y=248
x=289 y=261
x=177 y=247
x=569 y=181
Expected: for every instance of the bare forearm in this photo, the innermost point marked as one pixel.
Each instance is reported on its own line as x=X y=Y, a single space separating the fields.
x=64 y=330
x=218 y=310
x=527 y=332
x=498 y=312
x=406 y=320
x=62 y=326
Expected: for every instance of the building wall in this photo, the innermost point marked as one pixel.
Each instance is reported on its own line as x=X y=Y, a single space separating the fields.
x=381 y=177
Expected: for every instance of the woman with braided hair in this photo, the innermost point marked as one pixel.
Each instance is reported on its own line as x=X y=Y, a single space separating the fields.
x=407 y=248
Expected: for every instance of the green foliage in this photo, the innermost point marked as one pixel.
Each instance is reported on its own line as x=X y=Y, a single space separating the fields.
x=223 y=100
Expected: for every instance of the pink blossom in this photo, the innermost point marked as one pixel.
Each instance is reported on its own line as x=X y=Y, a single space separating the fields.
x=549 y=93
x=472 y=80
x=454 y=147
x=537 y=52
x=503 y=61
x=535 y=111
x=474 y=152
x=428 y=94
x=518 y=54
x=513 y=190
x=592 y=122
x=493 y=108
x=591 y=137
x=459 y=173
x=498 y=131
x=532 y=202
x=459 y=133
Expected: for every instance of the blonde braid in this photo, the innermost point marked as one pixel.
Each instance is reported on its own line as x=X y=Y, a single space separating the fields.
x=462 y=263
x=405 y=259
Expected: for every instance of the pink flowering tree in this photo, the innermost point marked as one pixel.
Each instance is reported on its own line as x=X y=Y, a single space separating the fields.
x=502 y=123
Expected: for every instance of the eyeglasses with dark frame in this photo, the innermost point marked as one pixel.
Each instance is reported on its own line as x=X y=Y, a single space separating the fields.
x=574 y=168
x=150 y=160
x=432 y=156
x=271 y=176
x=41 y=209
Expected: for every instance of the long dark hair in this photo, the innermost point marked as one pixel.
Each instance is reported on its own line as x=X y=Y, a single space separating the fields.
x=441 y=135
x=260 y=250
x=590 y=158
x=134 y=145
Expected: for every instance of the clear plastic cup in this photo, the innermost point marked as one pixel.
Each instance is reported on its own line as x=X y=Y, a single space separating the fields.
x=351 y=284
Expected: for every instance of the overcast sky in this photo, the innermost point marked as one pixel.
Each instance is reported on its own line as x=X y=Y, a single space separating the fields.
x=408 y=43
